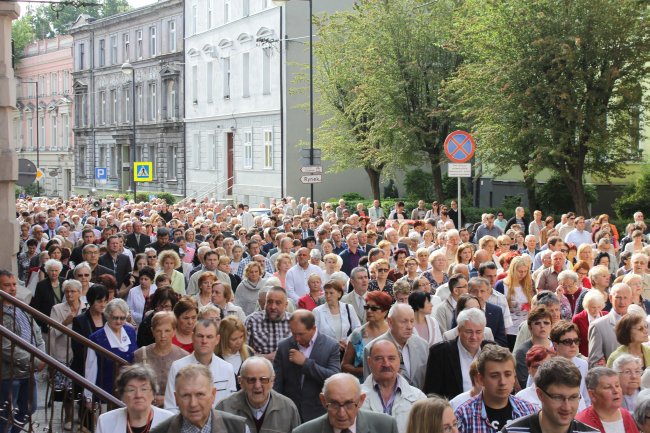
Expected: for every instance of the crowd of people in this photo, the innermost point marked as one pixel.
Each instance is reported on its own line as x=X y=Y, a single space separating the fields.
x=312 y=318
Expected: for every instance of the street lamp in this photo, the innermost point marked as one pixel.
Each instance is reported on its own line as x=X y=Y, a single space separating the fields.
x=127 y=69
x=311 y=87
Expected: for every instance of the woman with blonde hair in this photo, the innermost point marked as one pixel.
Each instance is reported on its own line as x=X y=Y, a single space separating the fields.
x=519 y=290
x=431 y=415
x=585 y=253
x=168 y=262
x=283 y=263
x=333 y=263
x=232 y=346
x=437 y=275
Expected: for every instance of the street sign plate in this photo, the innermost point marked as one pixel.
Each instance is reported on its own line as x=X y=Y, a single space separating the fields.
x=311 y=178
x=143 y=171
x=459 y=146
x=459 y=170
x=311 y=169
x=101 y=173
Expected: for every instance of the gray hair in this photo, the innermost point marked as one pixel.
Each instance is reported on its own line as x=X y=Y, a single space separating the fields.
x=51 y=263
x=357 y=270
x=135 y=372
x=116 y=304
x=192 y=371
x=342 y=376
x=474 y=315
x=642 y=409
x=72 y=284
x=252 y=359
x=394 y=309
x=625 y=359
x=80 y=266
x=593 y=296
x=89 y=247
x=568 y=275
x=593 y=376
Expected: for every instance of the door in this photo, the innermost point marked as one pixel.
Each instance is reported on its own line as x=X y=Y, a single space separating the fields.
x=231 y=158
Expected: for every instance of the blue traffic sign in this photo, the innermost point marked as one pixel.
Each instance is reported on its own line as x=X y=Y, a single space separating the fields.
x=100 y=173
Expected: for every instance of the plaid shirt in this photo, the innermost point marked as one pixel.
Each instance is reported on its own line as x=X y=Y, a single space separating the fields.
x=268 y=267
x=472 y=417
x=264 y=334
x=188 y=427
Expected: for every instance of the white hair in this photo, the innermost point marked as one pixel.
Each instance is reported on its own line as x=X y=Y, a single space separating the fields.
x=474 y=315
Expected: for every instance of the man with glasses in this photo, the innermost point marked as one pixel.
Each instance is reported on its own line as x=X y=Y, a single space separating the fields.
x=264 y=409
x=558 y=387
x=91 y=256
x=605 y=412
x=342 y=398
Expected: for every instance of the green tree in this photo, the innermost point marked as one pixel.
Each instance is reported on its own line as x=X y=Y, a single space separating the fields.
x=22 y=35
x=48 y=22
x=553 y=84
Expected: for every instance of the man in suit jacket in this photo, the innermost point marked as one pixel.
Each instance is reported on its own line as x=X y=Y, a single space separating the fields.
x=119 y=263
x=359 y=280
x=448 y=372
x=342 y=391
x=303 y=362
x=480 y=287
x=137 y=240
x=401 y=322
x=602 y=339
x=195 y=395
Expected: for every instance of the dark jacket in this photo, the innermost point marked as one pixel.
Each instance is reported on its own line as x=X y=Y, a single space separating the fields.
x=44 y=299
x=280 y=415
x=443 y=375
x=222 y=422
x=136 y=246
x=121 y=267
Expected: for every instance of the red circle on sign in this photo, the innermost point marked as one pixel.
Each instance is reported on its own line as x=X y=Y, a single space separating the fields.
x=459 y=146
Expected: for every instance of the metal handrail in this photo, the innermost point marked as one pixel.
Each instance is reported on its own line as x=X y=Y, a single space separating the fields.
x=6 y=333
x=4 y=296
x=205 y=191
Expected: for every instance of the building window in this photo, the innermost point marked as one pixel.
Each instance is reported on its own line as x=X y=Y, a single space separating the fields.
x=114 y=111
x=197 y=151
x=102 y=53
x=82 y=56
x=245 y=75
x=195 y=84
x=226 y=11
x=212 y=148
x=41 y=132
x=140 y=103
x=138 y=46
x=152 y=41
x=153 y=102
x=80 y=109
x=248 y=149
x=226 y=77
x=209 y=80
x=66 y=82
x=102 y=108
x=268 y=149
x=171 y=163
x=152 y=157
x=193 y=18
x=65 y=132
x=82 y=160
x=102 y=156
x=30 y=133
x=171 y=99
x=266 y=71
x=54 y=85
x=209 y=13
x=172 y=36
x=127 y=104
x=114 y=50
x=246 y=7
x=126 y=42
x=54 y=140
x=113 y=162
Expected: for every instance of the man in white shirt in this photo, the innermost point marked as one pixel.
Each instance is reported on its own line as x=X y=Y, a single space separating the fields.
x=579 y=235
x=205 y=338
x=296 y=279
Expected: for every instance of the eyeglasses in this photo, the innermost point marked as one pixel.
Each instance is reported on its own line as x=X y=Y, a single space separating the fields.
x=151 y=257
x=133 y=390
x=336 y=406
x=372 y=308
x=559 y=399
x=631 y=372
x=570 y=341
x=253 y=380
x=450 y=428
x=83 y=275
x=382 y=269
x=118 y=318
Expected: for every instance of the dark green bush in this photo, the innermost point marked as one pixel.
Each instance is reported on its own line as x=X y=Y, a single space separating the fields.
x=554 y=198
x=635 y=198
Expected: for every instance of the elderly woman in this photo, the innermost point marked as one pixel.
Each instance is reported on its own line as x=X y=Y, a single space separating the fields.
x=248 y=290
x=163 y=299
x=168 y=262
x=376 y=308
x=636 y=284
x=136 y=387
x=399 y=268
x=411 y=271
x=593 y=303
x=186 y=311
x=437 y=275
x=381 y=281
x=115 y=336
x=571 y=290
x=162 y=353
x=139 y=295
x=64 y=313
x=426 y=326
x=632 y=334
x=333 y=263
x=315 y=296
x=629 y=369
x=600 y=279
x=221 y=297
x=49 y=291
x=336 y=319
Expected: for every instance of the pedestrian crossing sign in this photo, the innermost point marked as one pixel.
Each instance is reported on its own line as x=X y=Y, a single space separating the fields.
x=143 y=171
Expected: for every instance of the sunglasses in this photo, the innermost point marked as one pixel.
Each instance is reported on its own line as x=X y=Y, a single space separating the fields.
x=570 y=341
x=382 y=269
x=372 y=308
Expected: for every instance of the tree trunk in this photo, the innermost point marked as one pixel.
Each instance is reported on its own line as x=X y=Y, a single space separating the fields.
x=577 y=190
x=436 y=172
x=529 y=182
x=373 y=176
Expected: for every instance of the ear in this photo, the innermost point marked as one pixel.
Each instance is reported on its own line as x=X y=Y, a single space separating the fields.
x=362 y=399
x=479 y=379
x=321 y=396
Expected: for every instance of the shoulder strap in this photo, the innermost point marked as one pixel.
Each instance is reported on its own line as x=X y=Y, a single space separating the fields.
x=347 y=308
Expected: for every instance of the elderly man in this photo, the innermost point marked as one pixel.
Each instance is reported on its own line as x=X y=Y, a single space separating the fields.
x=605 y=412
x=303 y=362
x=602 y=339
x=195 y=395
x=487 y=229
x=204 y=339
x=548 y=278
x=448 y=365
x=264 y=409
x=268 y=327
x=386 y=391
x=495 y=407
x=297 y=275
x=557 y=384
x=413 y=349
x=343 y=399
x=352 y=254
x=480 y=287
x=359 y=280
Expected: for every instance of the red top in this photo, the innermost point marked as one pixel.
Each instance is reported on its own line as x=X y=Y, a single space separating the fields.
x=187 y=347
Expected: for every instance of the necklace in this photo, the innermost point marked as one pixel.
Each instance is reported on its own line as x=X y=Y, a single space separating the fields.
x=143 y=429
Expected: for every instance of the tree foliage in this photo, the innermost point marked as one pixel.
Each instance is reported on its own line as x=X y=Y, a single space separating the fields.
x=553 y=84
x=635 y=198
x=22 y=34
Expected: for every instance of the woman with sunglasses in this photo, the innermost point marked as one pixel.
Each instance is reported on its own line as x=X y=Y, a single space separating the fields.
x=376 y=309
x=381 y=281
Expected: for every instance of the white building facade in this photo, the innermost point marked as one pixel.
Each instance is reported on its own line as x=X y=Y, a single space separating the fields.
x=233 y=100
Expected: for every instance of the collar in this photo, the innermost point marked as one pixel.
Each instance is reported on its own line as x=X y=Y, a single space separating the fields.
x=187 y=427
x=258 y=412
x=122 y=342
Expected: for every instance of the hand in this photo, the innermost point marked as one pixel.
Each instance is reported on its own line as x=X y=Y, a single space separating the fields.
x=68 y=320
x=601 y=363
x=40 y=366
x=297 y=357
x=269 y=356
x=159 y=400
x=342 y=345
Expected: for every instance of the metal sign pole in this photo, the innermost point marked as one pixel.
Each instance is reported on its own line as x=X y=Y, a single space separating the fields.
x=459 y=194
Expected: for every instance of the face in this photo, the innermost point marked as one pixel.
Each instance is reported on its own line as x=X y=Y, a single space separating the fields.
x=594 y=309
x=491 y=275
x=608 y=394
x=640 y=332
x=195 y=397
x=72 y=295
x=449 y=422
x=621 y=299
x=559 y=413
x=360 y=282
x=521 y=272
x=568 y=345
x=168 y=264
x=439 y=263
x=384 y=362
x=276 y=304
x=99 y=305
x=138 y=395
x=116 y=319
x=253 y=273
x=8 y=284
x=630 y=377
x=163 y=240
x=343 y=403
x=204 y=340
x=163 y=333
x=401 y=325
x=211 y=261
x=300 y=333
x=498 y=379
x=53 y=273
x=471 y=336
x=91 y=256
x=639 y=265
x=186 y=321
x=236 y=341
x=252 y=383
